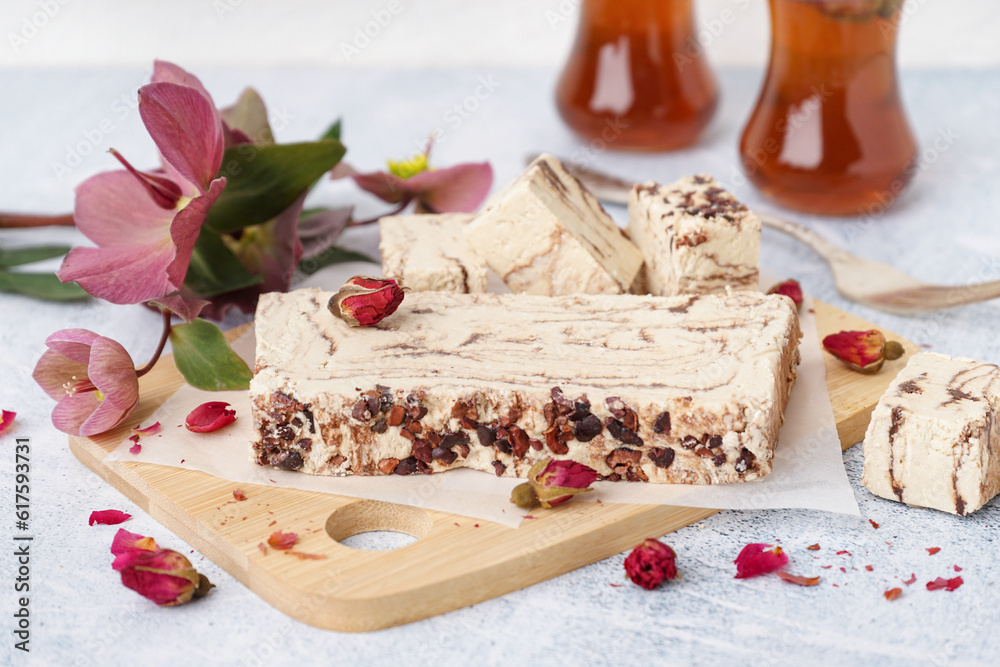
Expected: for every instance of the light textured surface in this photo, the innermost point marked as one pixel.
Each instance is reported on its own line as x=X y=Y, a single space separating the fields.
x=430 y=253
x=81 y=615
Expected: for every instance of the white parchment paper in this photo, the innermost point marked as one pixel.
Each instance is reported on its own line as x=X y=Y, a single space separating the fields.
x=808 y=466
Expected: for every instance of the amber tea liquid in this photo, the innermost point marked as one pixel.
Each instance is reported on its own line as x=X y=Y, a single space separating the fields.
x=829 y=134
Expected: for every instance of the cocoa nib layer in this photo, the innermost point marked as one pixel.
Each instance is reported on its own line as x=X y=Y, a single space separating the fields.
x=649 y=389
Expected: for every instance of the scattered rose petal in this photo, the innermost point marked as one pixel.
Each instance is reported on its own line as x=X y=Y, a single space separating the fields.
x=946 y=584
x=280 y=540
x=238 y=494
x=616 y=585
x=843 y=552
x=958 y=569
x=210 y=416
x=874 y=525
x=135 y=449
x=826 y=567
x=813 y=547
x=798 y=580
x=364 y=301
x=650 y=564
x=789 y=288
x=863 y=351
x=304 y=556
x=756 y=559
x=893 y=593
x=869 y=568
x=134 y=439
x=262 y=547
x=108 y=517
x=149 y=430
x=933 y=550
x=6 y=419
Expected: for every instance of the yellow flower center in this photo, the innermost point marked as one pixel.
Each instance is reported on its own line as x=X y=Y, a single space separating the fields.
x=407 y=168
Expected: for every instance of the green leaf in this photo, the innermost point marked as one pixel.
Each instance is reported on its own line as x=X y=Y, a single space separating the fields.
x=330 y=256
x=205 y=359
x=20 y=256
x=41 y=286
x=214 y=269
x=333 y=132
x=265 y=180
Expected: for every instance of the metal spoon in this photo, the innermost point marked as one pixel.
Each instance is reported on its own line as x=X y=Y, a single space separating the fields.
x=865 y=281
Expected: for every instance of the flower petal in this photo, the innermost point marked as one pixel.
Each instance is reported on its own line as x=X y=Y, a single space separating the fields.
x=74 y=344
x=72 y=411
x=108 y=517
x=168 y=72
x=113 y=372
x=125 y=541
x=122 y=275
x=756 y=559
x=113 y=210
x=186 y=128
x=461 y=188
x=54 y=370
x=387 y=187
x=321 y=229
x=6 y=419
x=280 y=540
x=797 y=579
x=149 y=430
x=104 y=418
x=185 y=228
x=946 y=584
x=135 y=449
x=185 y=304
x=210 y=416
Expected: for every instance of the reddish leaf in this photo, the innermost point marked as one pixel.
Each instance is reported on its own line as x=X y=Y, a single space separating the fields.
x=893 y=593
x=108 y=517
x=280 y=540
x=798 y=580
x=946 y=584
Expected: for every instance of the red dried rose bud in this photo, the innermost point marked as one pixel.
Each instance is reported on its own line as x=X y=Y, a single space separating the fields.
x=863 y=351
x=757 y=559
x=210 y=416
x=552 y=482
x=161 y=575
x=789 y=288
x=650 y=564
x=364 y=301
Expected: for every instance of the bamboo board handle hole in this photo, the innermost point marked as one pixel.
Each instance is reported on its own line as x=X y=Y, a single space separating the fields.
x=375 y=516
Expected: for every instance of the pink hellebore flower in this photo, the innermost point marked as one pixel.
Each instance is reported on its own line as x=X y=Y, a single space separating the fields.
x=93 y=378
x=145 y=224
x=457 y=189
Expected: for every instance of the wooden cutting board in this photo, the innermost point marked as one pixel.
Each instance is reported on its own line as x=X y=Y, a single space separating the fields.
x=455 y=562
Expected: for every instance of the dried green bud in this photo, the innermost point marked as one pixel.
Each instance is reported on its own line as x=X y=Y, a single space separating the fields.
x=893 y=350
x=524 y=496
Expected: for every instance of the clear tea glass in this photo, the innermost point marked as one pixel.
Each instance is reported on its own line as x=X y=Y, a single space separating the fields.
x=636 y=78
x=829 y=134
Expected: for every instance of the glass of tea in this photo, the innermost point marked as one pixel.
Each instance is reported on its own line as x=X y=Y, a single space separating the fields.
x=829 y=134
x=636 y=78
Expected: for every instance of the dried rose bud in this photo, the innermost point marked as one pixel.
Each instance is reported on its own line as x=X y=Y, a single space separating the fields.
x=650 y=564
x=756 y=559
x=789 y=288
x=210 y=416
x=553 y=482
x=364 y=301
x=161 y=575
x=863 y=351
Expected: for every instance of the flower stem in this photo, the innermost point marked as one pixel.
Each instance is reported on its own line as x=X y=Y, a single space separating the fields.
x=398 y=209
x=21 y=220
x=159 y=348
